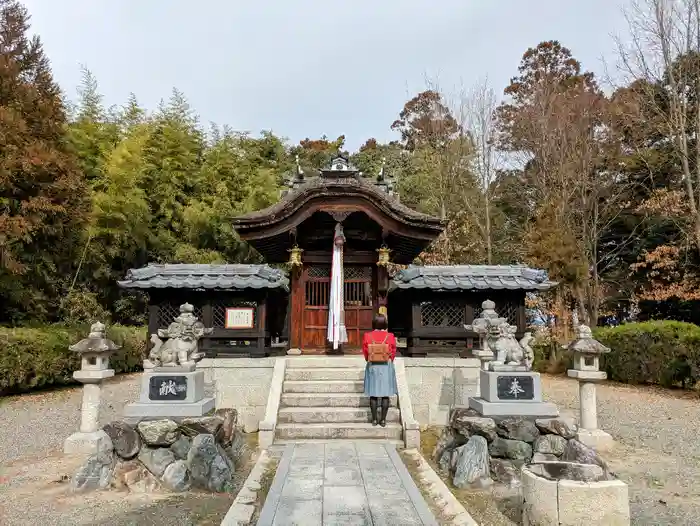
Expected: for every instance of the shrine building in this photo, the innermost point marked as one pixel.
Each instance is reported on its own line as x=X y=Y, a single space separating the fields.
x=285 y=304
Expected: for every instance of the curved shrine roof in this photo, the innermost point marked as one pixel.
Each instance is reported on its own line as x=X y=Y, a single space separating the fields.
x=472 y=277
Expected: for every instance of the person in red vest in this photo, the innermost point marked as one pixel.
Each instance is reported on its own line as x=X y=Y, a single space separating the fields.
x=379 y=349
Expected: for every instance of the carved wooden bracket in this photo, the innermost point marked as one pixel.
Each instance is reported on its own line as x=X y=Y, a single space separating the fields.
x=338 y=215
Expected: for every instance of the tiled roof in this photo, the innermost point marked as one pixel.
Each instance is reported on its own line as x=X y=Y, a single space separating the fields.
x=221 y=277
x=472 y=277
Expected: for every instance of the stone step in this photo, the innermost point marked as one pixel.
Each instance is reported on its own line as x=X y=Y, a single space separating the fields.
x=325 y=373
x=281 y=442
x=319 y=415
x=325 y=362
x=323 y=386
x=327 y=400
x=338 y=430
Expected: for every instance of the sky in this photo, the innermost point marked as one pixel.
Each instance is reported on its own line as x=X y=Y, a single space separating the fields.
x=307 y=68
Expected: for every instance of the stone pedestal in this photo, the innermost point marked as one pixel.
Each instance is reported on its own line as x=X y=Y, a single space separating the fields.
x=511 y=391
x=170 y=392
x=588 y=432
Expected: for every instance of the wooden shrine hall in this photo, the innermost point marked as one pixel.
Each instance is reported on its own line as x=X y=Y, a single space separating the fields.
x=336 y=225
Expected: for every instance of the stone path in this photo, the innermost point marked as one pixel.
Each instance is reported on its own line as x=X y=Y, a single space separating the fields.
x=343 y=483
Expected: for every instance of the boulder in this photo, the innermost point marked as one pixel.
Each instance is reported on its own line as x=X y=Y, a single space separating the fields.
x=550 y=444
x=561 y=426
x=230 y=419
x=95 y=474
x=159 y=432
x=238 y=450
x=449 y=439
x=208 y=468
x=469 y=426
x=208 y=425
x=125 y=440
x=448 y=460
x=176 y=476
x=518 y=429
x=512 y=449
x=142 y=481
x=122 y=470
x=472 y=466
x=506 y=471
x=544 y=457
x=585 y=473
x=181 y=447
x=460 y=412
x=156 y=460
x=575 y=451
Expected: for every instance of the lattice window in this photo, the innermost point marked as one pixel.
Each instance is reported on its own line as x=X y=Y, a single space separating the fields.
x=317 y=293
x=358 y=294
x=358 y=273
x=319 y=272
x=170 y=310
x=442 y=314
x=218 y=310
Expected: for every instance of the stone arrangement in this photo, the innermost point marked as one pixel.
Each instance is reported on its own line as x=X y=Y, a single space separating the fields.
x=170 y=385
x=163 y=455
x=476 y=451
x=587 y=351
x=508 y=386
x=94 y=358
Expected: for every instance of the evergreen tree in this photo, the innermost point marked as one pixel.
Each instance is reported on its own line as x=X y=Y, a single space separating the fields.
x=43 y=200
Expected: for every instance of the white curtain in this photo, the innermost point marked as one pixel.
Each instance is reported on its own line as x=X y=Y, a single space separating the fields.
x=336 y=311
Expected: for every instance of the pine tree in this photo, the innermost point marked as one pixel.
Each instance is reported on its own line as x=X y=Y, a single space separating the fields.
x=43 y=200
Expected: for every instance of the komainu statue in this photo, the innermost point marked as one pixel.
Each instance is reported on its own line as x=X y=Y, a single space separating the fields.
x=180 y=348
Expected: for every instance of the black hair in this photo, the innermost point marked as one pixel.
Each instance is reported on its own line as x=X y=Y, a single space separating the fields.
x=379 y=323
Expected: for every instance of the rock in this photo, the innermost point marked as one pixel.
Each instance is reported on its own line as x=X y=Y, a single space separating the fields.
x=122 y=470
x=156 y=460
x=449 y=439
x=230 y=419
x=585 y=473
x=125 y=440
x=159 y=432
x=95 y=474
x=142 y=481
x=181 y=447
x=575 y=451
x=460 y=412
x=469 y=426
x=550 y=444
x=472 y=467
x=561 y=426
x=238 y=450
x=448 y=460
x=208 y=468
x=518 y=429
x=512 y=449
x=176 y=476
x=208 y=425
x=544 y=457
x=505 y=472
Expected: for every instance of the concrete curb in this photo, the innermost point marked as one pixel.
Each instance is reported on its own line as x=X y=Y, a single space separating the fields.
x=266 y=434
x=241 y=511
x=440 y=493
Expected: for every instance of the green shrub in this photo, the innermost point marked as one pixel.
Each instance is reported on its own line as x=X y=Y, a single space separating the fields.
x=653 y=352
x=36 y=357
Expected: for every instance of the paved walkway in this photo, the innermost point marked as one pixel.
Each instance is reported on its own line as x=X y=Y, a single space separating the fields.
x=348 y=483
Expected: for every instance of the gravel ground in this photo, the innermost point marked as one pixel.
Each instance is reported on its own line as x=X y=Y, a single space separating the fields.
x=657 y=451
x=34 y=474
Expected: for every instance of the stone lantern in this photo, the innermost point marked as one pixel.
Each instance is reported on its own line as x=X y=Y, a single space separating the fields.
x=587 y=351
x=94 y=358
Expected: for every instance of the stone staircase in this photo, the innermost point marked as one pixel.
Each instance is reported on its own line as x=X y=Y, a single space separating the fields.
x=322 y=399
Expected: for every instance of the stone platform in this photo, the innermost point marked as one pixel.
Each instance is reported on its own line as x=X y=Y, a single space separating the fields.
x=348 y=483
x=511 y=392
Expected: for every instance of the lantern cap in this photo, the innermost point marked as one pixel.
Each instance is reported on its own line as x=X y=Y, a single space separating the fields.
x=96 y=342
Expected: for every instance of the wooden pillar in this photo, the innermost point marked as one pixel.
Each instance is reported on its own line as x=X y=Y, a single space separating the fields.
x=296 y=312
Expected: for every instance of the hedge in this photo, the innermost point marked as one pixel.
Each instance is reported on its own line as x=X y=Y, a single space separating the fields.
x=38 y=357
x=665 y=353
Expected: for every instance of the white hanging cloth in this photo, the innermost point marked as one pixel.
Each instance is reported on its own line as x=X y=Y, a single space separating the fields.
x=336 y=310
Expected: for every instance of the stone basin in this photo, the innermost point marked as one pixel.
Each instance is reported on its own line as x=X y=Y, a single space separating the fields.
x=570 y=494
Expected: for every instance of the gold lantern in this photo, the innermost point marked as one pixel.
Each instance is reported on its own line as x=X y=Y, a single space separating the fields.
x=383 y=259
x=295 y=256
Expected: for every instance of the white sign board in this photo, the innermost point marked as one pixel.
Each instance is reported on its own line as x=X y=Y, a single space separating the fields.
x=240 y=318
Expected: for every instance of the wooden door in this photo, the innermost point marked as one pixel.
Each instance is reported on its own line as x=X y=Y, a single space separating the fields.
x=359 y=307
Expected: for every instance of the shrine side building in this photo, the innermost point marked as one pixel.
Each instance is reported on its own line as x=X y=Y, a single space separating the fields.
x=269 y=309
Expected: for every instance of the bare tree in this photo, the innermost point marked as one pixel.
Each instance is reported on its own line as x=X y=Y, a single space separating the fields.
x=662 y=63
